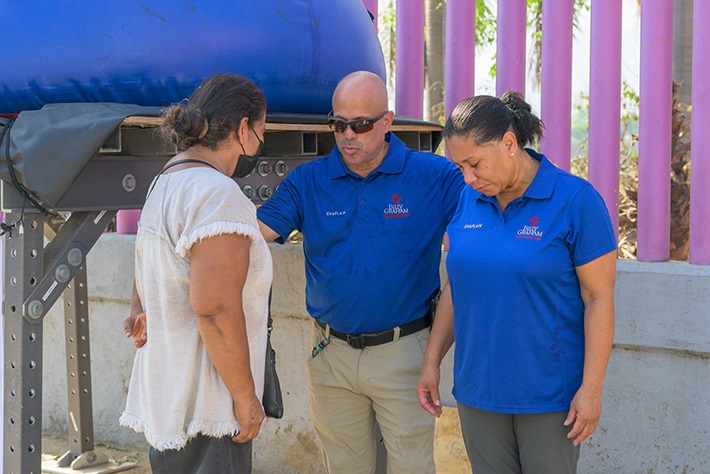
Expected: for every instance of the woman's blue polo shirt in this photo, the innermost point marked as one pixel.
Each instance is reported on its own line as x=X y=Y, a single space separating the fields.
x=372 y=245
x=518 y=312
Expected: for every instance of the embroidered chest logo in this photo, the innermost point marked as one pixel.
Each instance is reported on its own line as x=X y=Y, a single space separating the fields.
x=396 y=209
x=531 y=231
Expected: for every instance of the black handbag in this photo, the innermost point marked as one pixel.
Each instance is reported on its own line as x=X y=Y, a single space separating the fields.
x=272 y=399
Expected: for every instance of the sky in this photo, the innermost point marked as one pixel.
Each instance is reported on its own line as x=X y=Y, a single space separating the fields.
x=630 y=57
x=631 y=40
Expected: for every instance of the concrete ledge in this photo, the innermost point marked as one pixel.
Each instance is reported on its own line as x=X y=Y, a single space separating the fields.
x=656 y=408
x=110 y=267
x=663 y=305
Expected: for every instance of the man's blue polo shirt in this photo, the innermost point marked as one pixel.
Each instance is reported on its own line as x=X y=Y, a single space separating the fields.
x=518 y=312
x=372 y=245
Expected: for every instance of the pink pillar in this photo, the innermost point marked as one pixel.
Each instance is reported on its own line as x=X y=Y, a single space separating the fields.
x=409 y=69
x=127 y=221
x=700 y=177
x=557 y=80
x=372 y=6
x=655 y=130
x=2 y=331
x=460 y=44
x=604 y=103
x=510 y=50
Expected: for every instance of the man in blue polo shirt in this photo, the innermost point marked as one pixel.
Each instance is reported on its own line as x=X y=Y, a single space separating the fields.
x=373 y=214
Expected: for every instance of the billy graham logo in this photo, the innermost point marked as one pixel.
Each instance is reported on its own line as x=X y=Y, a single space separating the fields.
x=396 y=209
x=530 y=231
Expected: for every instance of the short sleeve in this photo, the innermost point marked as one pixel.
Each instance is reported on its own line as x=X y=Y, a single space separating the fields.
x=591 y=233
x=282 y=211
x=452 y=185
x=216 y=207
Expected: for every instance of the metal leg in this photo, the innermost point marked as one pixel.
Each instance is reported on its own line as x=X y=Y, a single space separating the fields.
x=34 y=278
x=22 y=426
x=81 y=452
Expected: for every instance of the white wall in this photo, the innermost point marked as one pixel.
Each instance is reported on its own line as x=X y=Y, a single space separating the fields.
x=656 y=405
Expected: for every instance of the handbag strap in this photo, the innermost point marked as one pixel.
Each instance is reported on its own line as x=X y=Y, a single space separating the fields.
x=175 y=163
x=270 y=323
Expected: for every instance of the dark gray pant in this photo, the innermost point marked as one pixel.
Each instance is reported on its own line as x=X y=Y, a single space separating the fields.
x=203 y=455
x=498 y=443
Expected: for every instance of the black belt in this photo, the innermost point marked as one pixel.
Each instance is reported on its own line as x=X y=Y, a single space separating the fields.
x=360 y=341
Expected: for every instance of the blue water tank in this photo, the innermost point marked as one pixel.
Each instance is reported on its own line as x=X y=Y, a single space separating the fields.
x=155 y=52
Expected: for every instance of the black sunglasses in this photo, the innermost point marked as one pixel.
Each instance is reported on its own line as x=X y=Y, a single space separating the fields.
x=358 y=126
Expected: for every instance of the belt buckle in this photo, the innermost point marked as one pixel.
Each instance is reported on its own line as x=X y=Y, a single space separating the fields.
x=355 y=341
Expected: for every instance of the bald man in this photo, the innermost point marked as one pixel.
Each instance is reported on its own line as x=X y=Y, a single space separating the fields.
x=373 y=214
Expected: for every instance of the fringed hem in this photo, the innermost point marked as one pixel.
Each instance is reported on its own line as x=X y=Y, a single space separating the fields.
x=178 y=441
x=212 y=429
x=215 y=228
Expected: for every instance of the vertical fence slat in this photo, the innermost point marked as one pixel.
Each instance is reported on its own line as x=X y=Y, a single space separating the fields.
x=371 y=5
x=460 y=44
x=655 y=130
x=699 y=158
x=557 y=80
x=510 y=50
x=127 y=221
x=409 y=69
x=604 y=104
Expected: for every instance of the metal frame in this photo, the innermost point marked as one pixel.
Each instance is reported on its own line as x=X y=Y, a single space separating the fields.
x=35 y=276
x=22 y=436
x=81 y=452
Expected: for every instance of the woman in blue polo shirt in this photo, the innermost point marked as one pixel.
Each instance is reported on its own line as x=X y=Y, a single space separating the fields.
x=530 y=297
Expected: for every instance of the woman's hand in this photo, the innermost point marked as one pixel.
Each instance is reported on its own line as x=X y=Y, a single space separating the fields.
x=428 y=390
x=596 y=285
x=250 y=415
x=584 y=412
x=135 y=326
x=440 y=340
x=218 y=271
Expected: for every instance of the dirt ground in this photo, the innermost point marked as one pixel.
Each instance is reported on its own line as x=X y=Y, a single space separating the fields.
x=449 y=450
x=54 y=446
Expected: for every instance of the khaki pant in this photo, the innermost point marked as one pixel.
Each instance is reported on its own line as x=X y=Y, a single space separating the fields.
x=351 y=389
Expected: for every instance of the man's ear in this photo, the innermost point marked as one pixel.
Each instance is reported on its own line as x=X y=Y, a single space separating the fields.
x=388 y=119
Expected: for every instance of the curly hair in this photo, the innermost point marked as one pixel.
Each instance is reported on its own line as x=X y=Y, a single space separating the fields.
x=211 y=113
